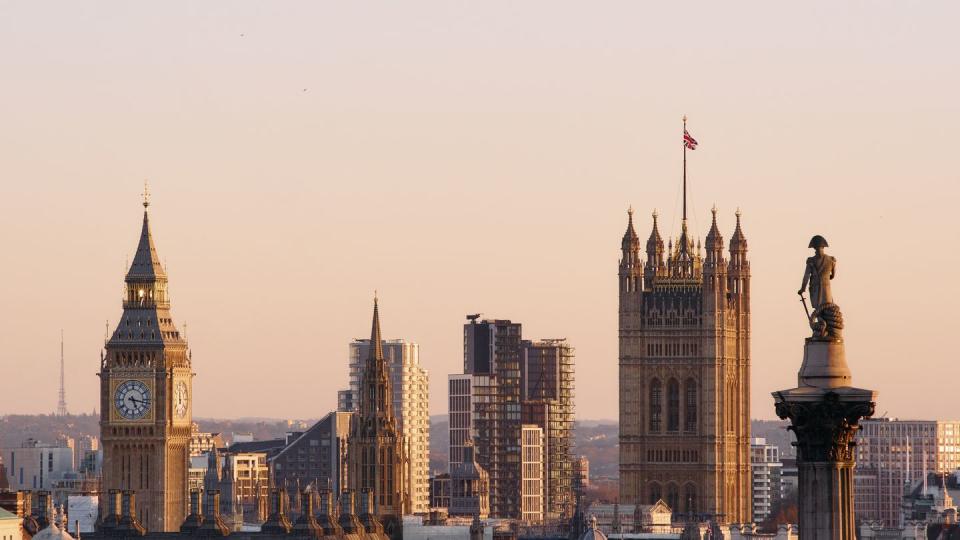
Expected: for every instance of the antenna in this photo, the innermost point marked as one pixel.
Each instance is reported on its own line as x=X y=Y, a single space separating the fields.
x=62 y=404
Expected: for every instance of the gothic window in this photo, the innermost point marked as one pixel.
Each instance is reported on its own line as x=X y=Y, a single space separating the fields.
x=690 y=499
x=673 y=497
x=655 y=493
x=690 y=405
x=656 y=404
x=673 y=406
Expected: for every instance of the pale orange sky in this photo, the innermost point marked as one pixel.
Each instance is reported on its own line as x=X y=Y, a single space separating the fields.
x=467 y=157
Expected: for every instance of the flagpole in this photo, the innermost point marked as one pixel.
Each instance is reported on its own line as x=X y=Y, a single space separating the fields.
x=684 y=169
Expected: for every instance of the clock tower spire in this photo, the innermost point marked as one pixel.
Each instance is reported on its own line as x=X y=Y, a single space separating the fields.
x=145 y=394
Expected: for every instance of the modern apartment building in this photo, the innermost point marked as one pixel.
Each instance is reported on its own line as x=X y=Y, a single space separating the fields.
x=547 y=395
x=766 y=470
x=894 y=454
x=532 y=473
x=485 y=406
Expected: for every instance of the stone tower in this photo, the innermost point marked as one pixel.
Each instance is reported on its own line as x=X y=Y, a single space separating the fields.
x=145 y=396
x=685 y=373
x=374 y=447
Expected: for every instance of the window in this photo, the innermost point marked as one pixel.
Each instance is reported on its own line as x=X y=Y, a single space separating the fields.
x=656 y=400
x=690 y=499
x=690 y=405
x=673 y=497
x=655 y=493
x=673 y=406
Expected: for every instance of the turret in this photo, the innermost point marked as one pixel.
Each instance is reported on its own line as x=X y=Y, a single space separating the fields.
x=739 y=265
x=714 y=270
x=655 y=263
x=631 y=273
x=738 y=248
x=714 y=244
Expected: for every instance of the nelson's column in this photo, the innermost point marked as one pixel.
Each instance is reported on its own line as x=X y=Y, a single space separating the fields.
x=145 y=398
x=824 y=411
x=685 y=372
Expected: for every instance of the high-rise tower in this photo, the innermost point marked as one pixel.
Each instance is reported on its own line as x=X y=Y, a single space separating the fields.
x=62 y=402
x=684 y=323
x=374 y=449
x=145 y=396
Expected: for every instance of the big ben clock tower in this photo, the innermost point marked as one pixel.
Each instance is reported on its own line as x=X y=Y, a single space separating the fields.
x=145 y=396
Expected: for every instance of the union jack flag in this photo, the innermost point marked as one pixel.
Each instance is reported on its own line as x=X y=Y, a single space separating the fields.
x=689 y=141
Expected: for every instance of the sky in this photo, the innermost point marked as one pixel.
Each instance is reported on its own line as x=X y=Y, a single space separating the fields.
x=468 y=157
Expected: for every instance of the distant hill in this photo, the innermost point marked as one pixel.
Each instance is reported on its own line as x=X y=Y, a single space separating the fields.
x=17 y=428
x=595 y=439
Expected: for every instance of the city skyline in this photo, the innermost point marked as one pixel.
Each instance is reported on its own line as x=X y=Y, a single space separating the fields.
x=486 y=176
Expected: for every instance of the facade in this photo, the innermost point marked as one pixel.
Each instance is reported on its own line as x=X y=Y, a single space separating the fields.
x=547 y=395
x=243 y=481
x=36 y=465
x=893 y=454
x=767 y=468
x=440 y=491
x=317 y=455
x=684 y=330
x=83 y=447
x=411 y=404
x=469 y=487
x=203 y=442
x=376 y=456
x=582 y=469
x=146 y=381
x=10 y=526
x=532 y=461
x=485 y=407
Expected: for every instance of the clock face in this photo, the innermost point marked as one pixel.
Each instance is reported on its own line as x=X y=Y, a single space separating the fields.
x=132 y=400
x=180 y=399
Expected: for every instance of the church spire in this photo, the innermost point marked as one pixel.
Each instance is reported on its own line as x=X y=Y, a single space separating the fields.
x=146 y=262
x=376 y=339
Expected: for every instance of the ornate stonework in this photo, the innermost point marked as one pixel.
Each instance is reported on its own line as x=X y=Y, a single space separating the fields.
x=376 y=457
x=146 y=397
x=825 y=429
x=685 y=374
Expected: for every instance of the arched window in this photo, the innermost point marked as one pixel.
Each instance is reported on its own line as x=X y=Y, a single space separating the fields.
x=690 y=499
x=673 y=405
x=656 y=406
x=690 y=405
x=655 y=493
x=673 y=497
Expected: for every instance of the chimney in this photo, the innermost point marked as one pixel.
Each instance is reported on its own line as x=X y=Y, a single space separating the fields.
x=44 y=509
x=367 y=517
x=326 y=516
x=195 y=518
x=348 y=520
x=25 y=511
x=213 y=524
x=129 y=523
x=111 y=511
x=277 y=522
x=307 y=523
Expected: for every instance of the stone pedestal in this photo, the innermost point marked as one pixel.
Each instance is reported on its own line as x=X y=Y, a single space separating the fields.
x=824 y=413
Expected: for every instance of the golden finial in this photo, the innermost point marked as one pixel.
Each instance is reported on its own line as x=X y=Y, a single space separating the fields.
x=714 y=209
x=630 y=210
x=684 y=119
x=655 y=214
x=738 y=212
x=146 y=194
